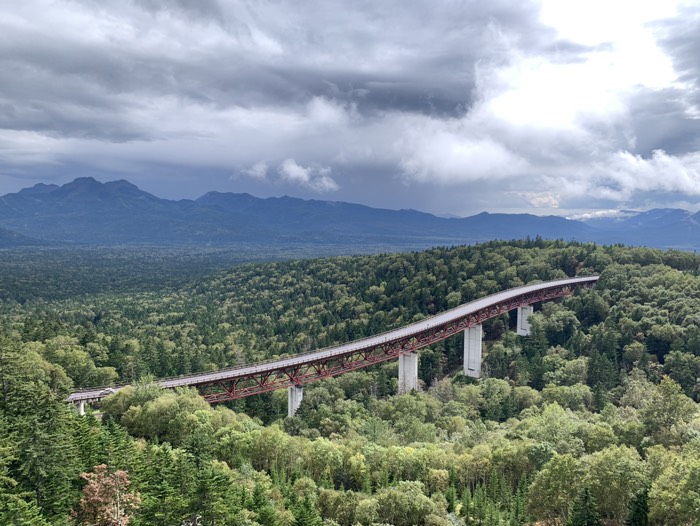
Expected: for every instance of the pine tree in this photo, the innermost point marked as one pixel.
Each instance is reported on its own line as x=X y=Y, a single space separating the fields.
x=518 y=513
x=15 y=509
x=267 y=515
x=17 y=512
x=46 y=460
x=451 y=497
x=305 y=514
x=117 y=447
x=639 y=510
x=466 y=509
x=584 y=510
x=479 y=503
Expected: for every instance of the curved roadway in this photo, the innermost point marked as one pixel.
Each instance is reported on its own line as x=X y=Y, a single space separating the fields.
x=96 y=394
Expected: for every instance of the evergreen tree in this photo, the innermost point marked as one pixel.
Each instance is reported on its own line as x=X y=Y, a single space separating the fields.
x=15 y=509
x=466 y=509
x=17 y=512
x=451 y=497
x=584 y=510
x=305 y=514
x=46 y=457
x=267 y=515
x=518 y=513
x=639 y=510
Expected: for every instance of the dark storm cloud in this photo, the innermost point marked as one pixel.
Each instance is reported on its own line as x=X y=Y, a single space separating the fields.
x=682 y=41
x=205 y=10
x=379 y=56
x=660 y=120
x=422 y=102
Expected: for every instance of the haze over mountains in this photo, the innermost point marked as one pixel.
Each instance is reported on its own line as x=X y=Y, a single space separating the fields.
x=86 y=211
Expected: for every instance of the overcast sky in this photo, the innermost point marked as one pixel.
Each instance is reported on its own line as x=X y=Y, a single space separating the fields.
x=451 y=107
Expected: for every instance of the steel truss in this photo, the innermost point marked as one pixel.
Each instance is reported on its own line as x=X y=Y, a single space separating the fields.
x=319 y=368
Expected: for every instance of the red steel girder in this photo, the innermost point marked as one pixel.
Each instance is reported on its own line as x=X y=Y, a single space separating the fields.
x=321 y=368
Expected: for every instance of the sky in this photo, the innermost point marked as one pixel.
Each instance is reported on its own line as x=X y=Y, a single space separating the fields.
x=574 y=108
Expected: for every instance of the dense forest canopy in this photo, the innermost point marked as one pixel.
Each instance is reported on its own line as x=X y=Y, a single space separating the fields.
x=595 y=415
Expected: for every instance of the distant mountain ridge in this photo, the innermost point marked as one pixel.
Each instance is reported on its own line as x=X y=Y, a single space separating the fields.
x=10 y=239
x=86 y=211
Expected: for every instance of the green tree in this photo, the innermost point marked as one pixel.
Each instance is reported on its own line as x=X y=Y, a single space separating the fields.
x=674 y=497
x=584 y=510
x=554 y=487
x=305 y=513
x=614 y=477
x=666 y=414
x=639 y=510
x=405 y=504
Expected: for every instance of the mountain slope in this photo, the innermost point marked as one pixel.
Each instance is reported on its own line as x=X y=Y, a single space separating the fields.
x=9 y=239
x=90 y=212
x=659 y=227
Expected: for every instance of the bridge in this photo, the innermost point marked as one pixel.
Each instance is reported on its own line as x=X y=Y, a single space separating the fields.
x=402 y=343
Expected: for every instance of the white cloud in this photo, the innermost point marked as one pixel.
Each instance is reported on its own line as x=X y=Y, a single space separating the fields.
x=625 y=173
x=538 y=107
x=257 y=171
x=295 y=173
x=602 y=214
x=315 y=178
x=542 y=199
x=326 y=113
x=441 y=153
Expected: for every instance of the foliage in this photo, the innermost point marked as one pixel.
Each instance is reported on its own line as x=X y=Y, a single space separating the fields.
x=599 y=403
x=106 y=499
x=584 y=510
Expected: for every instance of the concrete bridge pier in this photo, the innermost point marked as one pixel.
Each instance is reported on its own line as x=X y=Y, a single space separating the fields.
x=80 y=406
x=523 y=328
x=408 y=372
x=472 y=351
x=295 y=394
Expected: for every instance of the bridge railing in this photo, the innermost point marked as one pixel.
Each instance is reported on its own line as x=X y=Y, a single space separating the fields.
x=388 y=336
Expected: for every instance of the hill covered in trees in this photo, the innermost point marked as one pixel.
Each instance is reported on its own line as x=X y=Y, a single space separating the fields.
x=595 y=413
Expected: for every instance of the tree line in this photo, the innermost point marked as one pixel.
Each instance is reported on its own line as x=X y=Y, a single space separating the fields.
x=594 y=417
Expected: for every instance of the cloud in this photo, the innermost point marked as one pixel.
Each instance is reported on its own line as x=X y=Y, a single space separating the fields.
x=257 y=171
x=603 y=214
x=446 y=153
x=315 y=178
x=452 y=108
x=626 y=173
x=542 y=199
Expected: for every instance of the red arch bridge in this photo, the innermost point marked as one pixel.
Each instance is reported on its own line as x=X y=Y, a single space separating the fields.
x=293 y=372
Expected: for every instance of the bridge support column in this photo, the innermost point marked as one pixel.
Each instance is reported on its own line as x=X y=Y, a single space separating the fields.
x=408 y=372
x=523 y=323
x=295 y=394
x=81 y=407
x=472 y=351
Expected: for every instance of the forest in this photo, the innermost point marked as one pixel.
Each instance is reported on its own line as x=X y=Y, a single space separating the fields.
x=592 y=419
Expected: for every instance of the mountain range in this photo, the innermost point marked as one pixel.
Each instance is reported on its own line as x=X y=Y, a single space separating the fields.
x=86 y=211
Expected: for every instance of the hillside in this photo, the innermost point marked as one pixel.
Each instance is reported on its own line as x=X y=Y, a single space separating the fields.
x=86 y=211
x=10 y=239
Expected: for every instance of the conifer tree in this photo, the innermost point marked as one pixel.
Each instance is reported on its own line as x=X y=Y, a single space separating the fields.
x=451 y=497
x=584 y=510
x=305 y=514
x=15 y=508
x=466 y=509
x=639 y=510
x=518 y=508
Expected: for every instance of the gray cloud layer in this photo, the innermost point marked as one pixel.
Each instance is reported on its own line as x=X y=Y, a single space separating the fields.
x=451 y=107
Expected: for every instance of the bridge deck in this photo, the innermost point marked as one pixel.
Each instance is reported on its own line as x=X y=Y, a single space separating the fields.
x=371 y=342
